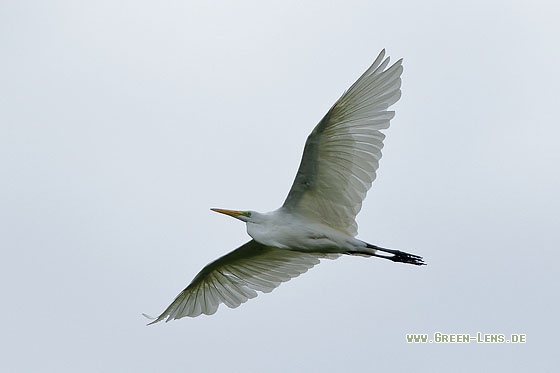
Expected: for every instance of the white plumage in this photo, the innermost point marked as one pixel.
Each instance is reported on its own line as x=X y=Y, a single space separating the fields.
x=317 y=220
x=342 y=153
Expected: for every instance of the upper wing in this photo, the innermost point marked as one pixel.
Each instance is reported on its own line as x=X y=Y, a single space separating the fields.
x=234 y=278
x=342 y=153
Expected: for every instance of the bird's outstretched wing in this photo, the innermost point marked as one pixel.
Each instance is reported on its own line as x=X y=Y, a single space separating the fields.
x=236 y=277
x=342 y=153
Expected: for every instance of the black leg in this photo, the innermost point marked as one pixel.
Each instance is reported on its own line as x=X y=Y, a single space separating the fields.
x=398 y=256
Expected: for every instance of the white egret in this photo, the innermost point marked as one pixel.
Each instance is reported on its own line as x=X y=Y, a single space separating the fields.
x=317 y=219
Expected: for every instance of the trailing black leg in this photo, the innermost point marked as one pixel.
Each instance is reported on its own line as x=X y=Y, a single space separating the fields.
x=397 y=256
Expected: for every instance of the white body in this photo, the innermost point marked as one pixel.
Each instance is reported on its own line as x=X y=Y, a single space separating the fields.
x=292 y=232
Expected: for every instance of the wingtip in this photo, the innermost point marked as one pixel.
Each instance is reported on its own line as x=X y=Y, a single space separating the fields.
x=154 y=319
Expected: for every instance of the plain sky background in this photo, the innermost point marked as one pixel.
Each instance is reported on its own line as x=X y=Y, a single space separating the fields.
x=123 y=122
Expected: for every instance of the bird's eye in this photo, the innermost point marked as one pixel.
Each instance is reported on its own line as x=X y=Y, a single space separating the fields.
x=247 y=214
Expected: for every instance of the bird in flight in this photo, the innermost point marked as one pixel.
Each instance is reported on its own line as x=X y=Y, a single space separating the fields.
x=317 y=219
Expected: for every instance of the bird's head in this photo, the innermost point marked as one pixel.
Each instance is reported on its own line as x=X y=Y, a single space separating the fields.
x=246 y=216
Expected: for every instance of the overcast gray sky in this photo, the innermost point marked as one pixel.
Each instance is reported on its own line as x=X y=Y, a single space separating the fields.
x=122 y=123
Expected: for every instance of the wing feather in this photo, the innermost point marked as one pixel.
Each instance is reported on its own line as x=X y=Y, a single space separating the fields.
x=236 y=277
x=342 y=154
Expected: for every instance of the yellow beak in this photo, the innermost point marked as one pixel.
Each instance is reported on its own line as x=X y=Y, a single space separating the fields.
x=233 y=213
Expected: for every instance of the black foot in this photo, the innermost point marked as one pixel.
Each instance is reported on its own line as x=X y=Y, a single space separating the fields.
x=398 y=256
x=401 y=257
